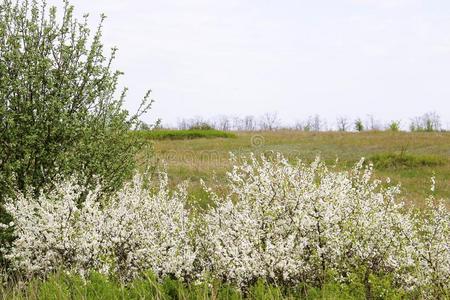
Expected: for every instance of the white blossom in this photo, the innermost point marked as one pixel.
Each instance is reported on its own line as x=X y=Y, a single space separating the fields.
x=286 y=223
x=134 y=231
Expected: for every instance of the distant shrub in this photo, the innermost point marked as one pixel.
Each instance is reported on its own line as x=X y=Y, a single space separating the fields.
x=405 y=160
x=145 y=126
x=201 y=126
x=197 y=123
x=394 y=126
x=165 y=134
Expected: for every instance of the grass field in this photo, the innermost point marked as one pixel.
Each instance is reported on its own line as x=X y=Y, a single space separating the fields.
x=407 y=158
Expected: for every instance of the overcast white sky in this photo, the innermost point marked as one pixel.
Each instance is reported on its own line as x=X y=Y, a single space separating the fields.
x=388 y=58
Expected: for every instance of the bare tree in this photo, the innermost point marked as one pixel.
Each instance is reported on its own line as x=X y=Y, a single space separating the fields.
x=249 y=123
x=312 y=123
x=182 y=124
x=299 y=125
x=372 y=123
x=317 y=124
x=342 y=123
x=223 y=123
x=430 y=121
x=237 y=123
x=269 y=121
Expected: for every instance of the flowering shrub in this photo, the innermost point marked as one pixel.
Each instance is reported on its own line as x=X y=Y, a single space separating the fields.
x=146 y=230
x=296 y=223
x=281 y=222
x=293 y=223
x=53 y=232
x=135 y=231
x=429 y=240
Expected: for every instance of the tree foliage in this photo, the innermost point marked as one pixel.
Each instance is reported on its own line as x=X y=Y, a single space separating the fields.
x=60 y=112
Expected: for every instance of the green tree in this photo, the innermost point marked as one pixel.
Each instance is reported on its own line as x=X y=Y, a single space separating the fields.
x=61 y=113
x=359 y=125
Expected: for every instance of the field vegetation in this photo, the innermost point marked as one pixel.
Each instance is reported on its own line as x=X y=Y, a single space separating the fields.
x=286 y=224
x=61 y=286
x=408 y=158
x=94 y=204
x=168 y=134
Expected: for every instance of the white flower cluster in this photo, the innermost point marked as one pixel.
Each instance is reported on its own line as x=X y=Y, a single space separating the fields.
x=135 y=231
x=282 y=222
x=296 y=223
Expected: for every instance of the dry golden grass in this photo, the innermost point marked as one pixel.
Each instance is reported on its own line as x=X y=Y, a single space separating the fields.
x=208 y=158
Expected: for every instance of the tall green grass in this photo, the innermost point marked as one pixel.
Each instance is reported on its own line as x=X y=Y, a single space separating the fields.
x=95 y=286
x=181 y=134
x=405 y=160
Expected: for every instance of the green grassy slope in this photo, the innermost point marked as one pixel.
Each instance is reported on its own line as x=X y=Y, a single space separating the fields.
x=181 y=134
x=407 y=158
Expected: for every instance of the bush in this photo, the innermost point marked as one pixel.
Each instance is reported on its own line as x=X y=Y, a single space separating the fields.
x=300 y=224
x=291 y=224
x=394 y=126
x=165 y=134
x=201 y=126
x=405 y=160
x=135 y=231
x=282 y=224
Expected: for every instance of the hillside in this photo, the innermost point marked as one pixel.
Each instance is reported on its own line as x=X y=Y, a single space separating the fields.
x=407 y=158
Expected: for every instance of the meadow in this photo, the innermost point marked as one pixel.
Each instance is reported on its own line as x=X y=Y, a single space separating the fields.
x=182 y=232
x=97 y=204
x=408 y=158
